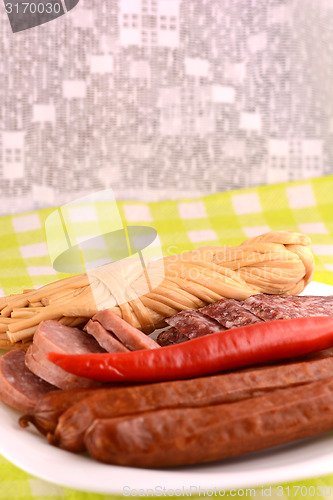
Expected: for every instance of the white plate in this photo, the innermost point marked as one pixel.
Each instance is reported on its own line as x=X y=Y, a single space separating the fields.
x=29 y=450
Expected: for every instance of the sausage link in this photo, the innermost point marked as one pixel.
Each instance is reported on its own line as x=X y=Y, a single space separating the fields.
x=205 y=391
x=173 y=437
x=46 y=413
x=48 y=409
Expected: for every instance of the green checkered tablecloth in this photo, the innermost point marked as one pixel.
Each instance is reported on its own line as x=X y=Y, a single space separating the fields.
x=221 y=219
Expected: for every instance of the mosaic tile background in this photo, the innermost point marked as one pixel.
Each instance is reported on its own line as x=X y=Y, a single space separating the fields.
x=162 y=99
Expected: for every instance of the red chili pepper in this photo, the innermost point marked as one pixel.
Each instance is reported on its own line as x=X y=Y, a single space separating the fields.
x=235 y=348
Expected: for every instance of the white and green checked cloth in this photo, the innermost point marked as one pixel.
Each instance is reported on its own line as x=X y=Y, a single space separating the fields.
x=222 y=219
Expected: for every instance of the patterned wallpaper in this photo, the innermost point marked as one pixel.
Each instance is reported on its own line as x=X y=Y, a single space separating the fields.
x=161 y=99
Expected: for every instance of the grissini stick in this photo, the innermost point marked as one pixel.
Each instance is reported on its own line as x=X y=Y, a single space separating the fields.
x=278 y=262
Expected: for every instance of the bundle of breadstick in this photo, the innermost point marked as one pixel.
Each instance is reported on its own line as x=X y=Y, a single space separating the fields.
x=278 y=262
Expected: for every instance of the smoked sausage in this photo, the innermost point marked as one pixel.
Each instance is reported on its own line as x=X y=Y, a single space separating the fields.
x=205 y=391
x=46 y=412
x=182 y=436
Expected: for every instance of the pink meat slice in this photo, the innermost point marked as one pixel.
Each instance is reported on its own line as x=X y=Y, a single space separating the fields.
x=194 y=324
x=105 y=339
x=171 y=336
x=129 y=336
x=233 y=313
x=37 y=362
x=273 y=307
x=310 y=305
x=19 y=387
x=53 y=336
x=230 y=313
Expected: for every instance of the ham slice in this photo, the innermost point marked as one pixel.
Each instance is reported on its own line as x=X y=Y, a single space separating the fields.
x=129 y=336
x=105 y=339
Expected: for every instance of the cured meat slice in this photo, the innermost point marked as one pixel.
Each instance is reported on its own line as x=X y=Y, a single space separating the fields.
x=19 y=387
x=230 y=313
x=36 y=361
x=53 y=336
x=105 y=339
x=193 y=324
x=170 y=336
x=187 y=325
x=310 y=305
x=270 y=308
x=131 y=337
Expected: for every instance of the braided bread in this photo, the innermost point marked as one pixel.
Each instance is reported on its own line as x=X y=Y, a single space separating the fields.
x=278 y=262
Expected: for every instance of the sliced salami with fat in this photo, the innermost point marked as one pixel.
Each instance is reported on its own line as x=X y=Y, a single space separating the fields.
x=310 y=305
x=272 y=307
x=171 y=336
x=230 y=313
x=193 y=324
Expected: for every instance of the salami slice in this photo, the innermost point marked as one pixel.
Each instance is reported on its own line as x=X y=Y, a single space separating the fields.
x=194 y=324
x=270 y=308
x=170 y=336
x=230 y=313
x=310 y=305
